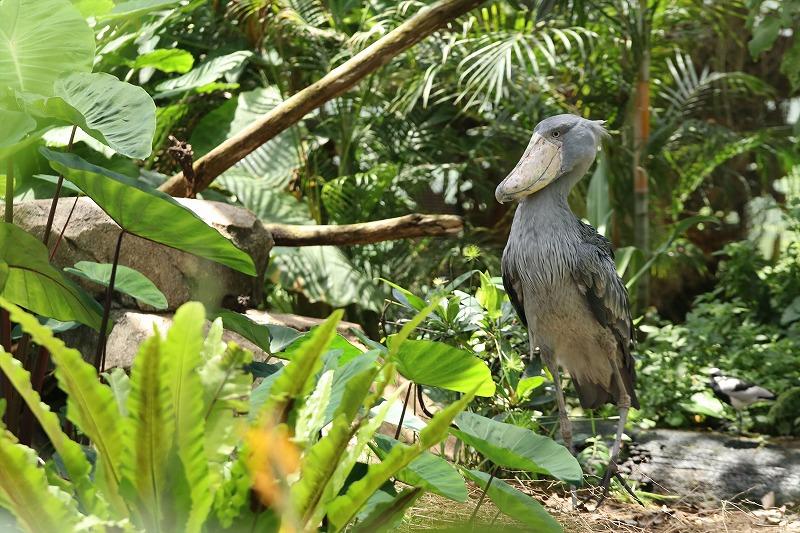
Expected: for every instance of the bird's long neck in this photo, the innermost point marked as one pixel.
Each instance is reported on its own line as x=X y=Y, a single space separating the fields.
x=551 y=202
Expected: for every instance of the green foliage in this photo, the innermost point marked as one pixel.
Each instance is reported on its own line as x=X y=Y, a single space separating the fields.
x=33 y=283
x=741 y=327
x=149 y=213
x=128 y=281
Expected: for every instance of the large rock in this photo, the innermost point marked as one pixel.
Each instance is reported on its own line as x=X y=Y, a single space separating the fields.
x=92 y=236
x=132 y=327
x=703 y=467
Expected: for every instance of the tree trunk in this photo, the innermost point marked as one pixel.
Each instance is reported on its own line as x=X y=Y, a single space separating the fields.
x=641 y=132
x=336 y=82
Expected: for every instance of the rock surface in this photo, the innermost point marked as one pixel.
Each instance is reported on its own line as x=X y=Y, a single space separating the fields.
x=91 y=236
x=709 y=467
x=132 y=327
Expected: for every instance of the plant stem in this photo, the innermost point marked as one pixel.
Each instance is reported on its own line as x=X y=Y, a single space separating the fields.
x=54 y=203
x=483 y=496
x=100 y=352
x=9 y=197
x=63 y=229
x=5 y=341
x=403 y=412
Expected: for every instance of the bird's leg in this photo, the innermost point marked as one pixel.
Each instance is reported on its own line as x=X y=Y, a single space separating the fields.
x=623 y=404
x=739 y=421
x=563 y=420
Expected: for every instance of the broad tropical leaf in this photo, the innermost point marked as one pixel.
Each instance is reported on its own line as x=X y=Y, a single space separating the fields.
x=39 y=41
x=387 y=515
x=149 y=213
x=25 y=492
x=127 y=281
x=427 y=471
x=440 y=365
x=516 y=447
x=515 y=504
x=136 y=8
x=90 y=405
x=120 y=115
x=269 y=337
x=15 y=126
x=34 y=284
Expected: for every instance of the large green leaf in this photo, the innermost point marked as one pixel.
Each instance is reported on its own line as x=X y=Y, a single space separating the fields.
x=120 y=115
x=515 y=504
x=135 y=8
x=25 y=492
x=598 y=207
x=127 y=281
x=273 y=161
x=518 y=448
x=39 y=41
x=35 y=285
x=15 y=126
x=90 y=405
x=149 y=213
x=229 y=66
x=440 y=365
x=72 y=456
x=182 y=351
x=388 y=511
x=428 y=471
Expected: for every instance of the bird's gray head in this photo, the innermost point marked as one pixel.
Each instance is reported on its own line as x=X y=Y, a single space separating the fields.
x=561 y=145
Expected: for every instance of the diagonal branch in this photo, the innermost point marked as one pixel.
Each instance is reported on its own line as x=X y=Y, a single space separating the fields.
x=336 y=82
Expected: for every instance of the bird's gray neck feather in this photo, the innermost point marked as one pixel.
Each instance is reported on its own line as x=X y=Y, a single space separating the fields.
x=545 y=241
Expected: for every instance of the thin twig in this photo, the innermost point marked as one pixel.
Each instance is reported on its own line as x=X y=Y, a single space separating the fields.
x=403 y=413
x=63 y=229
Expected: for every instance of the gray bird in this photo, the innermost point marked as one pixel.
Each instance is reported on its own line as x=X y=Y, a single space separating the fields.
x=736 y=392
x=561 y=278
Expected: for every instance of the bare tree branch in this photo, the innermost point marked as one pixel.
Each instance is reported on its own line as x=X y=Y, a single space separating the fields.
x=404 y=227
x=336 y=82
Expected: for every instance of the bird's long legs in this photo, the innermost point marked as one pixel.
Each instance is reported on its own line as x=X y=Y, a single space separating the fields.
x=623 y=404
x=548 y=358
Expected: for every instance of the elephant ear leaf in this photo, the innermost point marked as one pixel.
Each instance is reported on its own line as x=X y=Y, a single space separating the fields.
x=39 y=41
x=33 y=283
x=144 y=211
x=120 y=115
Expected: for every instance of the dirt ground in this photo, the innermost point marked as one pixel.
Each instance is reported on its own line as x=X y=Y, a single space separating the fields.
x=434 y=513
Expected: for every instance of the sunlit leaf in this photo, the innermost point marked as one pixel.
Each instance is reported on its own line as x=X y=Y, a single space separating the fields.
x=39 y=41
x=127 y=281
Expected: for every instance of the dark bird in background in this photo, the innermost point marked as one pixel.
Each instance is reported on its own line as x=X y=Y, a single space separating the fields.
x=560 y=275
x=737 y=393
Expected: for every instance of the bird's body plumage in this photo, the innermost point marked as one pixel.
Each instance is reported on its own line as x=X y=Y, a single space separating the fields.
x=736 y=392
x=560 y=275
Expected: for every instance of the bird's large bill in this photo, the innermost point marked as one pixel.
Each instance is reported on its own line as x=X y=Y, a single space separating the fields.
x=539 y=165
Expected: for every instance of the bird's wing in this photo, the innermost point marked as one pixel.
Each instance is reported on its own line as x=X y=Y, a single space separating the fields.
x=596 y=276
x=511 y=282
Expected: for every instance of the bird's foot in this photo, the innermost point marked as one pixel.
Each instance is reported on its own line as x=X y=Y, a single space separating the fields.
x=613 y=471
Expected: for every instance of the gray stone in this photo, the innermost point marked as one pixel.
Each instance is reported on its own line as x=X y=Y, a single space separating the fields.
x=132 y=327
x=91 y=236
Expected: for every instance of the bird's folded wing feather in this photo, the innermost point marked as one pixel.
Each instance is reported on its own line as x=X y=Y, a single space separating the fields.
x=511 y=282
x=597 y=278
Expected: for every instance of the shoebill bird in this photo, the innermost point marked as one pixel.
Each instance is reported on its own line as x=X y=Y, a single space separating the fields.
x=736 y=392
x=560 y=276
